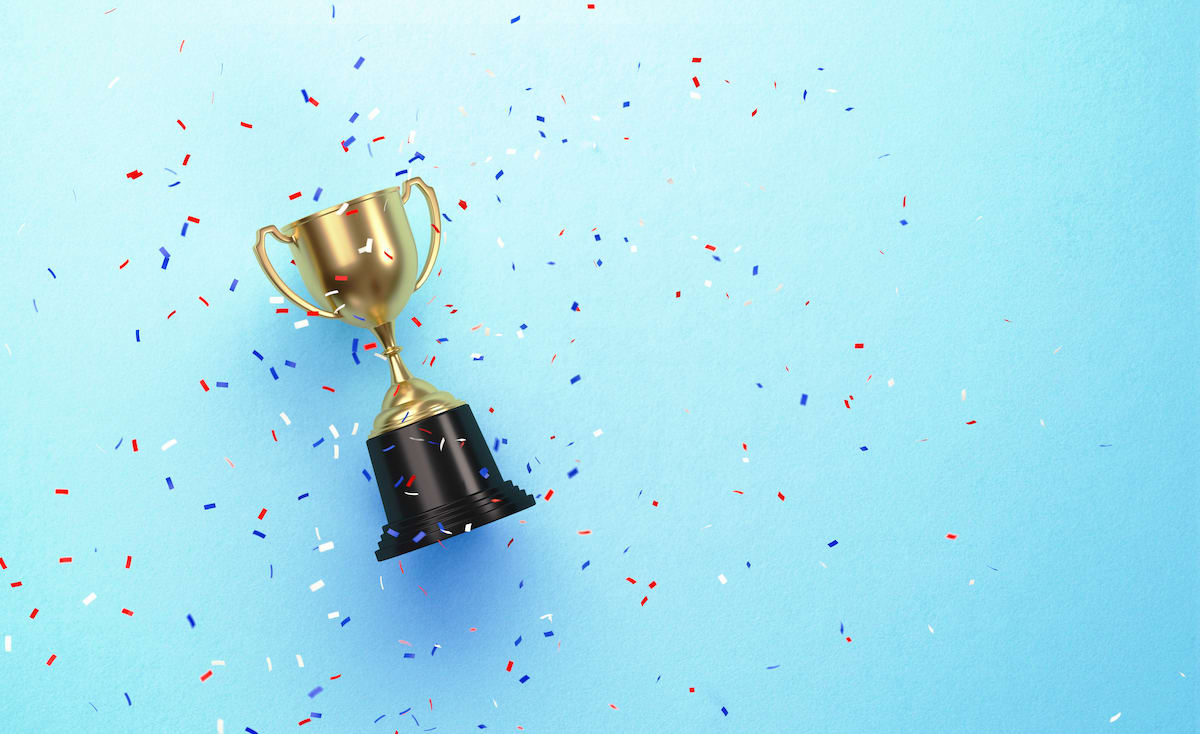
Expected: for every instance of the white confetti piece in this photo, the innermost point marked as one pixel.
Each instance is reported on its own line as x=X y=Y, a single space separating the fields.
x=633 y=248
x=89 y=598
x=169 y=444
x=373 y=114
x=8 y=644
x=220 y=726
x=930 y=628
x=694 y=95
x=326 y=546
x=268 y=665
x=286 y=421
x=964 y=394
x=114 y=81
x=468 y=529
x=500 y=242
x=412 y=137
x=365 y=249
x=335 y=451
x=1114 y=717
x=334 y=615
x=971 y=582
x=318 y=584
x=217 y=662
x=276 y=299
x=598 y=432
x=708 y=284
x=510 y=151
x=722 y=579
x=334 y=431
x=381 y=583
x=354 y=430
x=299 y=660
x=301 y=323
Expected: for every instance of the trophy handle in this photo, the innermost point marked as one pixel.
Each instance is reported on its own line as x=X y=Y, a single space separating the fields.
x=435 y=214
x=260 y=251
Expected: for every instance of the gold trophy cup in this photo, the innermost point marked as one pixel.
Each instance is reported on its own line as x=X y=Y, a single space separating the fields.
x=435 y=473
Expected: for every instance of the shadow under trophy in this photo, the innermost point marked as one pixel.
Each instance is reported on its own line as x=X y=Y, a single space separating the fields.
x=436 y=475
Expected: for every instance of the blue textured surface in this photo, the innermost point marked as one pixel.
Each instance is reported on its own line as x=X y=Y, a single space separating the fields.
x=1044 y=262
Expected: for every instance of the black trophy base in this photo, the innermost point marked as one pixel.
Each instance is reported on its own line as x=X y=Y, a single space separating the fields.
x=437 y=479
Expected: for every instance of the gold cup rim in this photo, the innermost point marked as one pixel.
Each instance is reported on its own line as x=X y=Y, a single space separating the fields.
x=290 y=228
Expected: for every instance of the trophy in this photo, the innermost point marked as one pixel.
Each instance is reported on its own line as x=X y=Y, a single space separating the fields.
x=436 y=475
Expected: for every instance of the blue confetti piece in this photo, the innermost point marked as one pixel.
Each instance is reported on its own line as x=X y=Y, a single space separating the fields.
x=393 y=533
x=903 y=222
x=210 y=505
x=528 y=469
x=233 y=285
x=564 y=140
x=803 y=398
x=571 y=474
x=171 y=186
x=127 y=699
x=222 y=384
x=514 y=20
x=401 y=173
x=317 y=195
x=446 y=217
x=499 y=174
x=360 y=318
x=119 y=441
x=755 y=271
x=256 y=354
x=417 y=157
x=344 y=621
x=842 y=627
x=541 y=133
x=166 y=257
x=524 y=678
x=315 y=715
x=191 y=621
x=302 y=496
x=625 y=105
x=288 y=363
x=805 y=95
x=304 y=94
x=52 y=275
x=575 y=306
x=831 y=543
x=333 y=14
x=354 y=117
x=183 y=232
x=759 y=385
x=443 y=340
x=724 y=711
x=170 y=484
x=540 y=118
x=575 y=379
x=862 y=448
x=313 y=693
x=772 y=667
x=585 y=565
x=521 y=584
x=477 y=359
x=495 y=447
x=359 y=63
x=548 y=634
x=408 y=655
x=259 y=533
x=348 y=141
x=137 y=335
x=376 y=721
x=849 y=108
x=518 y=642
x=405 y=711
x=419 y=536
x=597 y=236
x=483 y=472
x=365 y=474
x=274 y=373
x=434 y=650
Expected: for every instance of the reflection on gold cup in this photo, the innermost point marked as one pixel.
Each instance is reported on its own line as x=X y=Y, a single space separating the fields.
x=359 y=262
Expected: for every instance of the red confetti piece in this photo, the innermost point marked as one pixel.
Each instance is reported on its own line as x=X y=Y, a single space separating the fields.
x=126 y=612
x=462 y=204
x=691 y=690
x=135 y=445
x=128 y=560
x=15 y=584
x=415 y=321
x=644 y=600
x=971 y=423
x=52 y=659
x=695 y=59
x=388 y=255
x=193 y=220
x=281 y=310
x=549 y=494
x=65 y=559
x=181 y=45
x=340 y=277
x=677 y=294
x=904 y=202
x=585 y=532
x=311 y=313
x=186 y=157
x=181 y=124
x=335 y=677
x=122 y=265
x=247 y=125
x=695 y=81
x=206 y=676
x=369 y=347
x=134 y=174
x=314 y=101
x=653 y=584
x=274 y=436
x=62 y=491
x=352 y=211
x=508 y=667
x=780 y=495
x=755 y=112
x=710 y=248
x=654 y=503
x=858 y=346
x=3 y=565
x=630 y=580
x=510 y=542
x=262 y=514
x=33 y=613
x=376 y=140
x=202 y=300
x=326 y=387
x=294 y=196
x=951 y=536
x=847 y=639
x=171 y=314
x=592 y=6
x=304 y=721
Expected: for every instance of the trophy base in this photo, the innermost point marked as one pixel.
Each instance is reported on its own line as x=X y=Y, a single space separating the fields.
x=437 y=479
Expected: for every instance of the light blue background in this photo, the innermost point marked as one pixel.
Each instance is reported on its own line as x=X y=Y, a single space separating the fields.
x=1048 y=153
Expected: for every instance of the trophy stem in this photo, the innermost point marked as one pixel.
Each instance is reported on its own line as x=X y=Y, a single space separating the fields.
x=386 y=335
